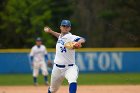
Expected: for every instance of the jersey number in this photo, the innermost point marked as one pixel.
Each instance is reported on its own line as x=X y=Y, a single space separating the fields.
x=63 y=49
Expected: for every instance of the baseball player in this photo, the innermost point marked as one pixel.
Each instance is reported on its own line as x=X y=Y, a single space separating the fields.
x=38 y=56
x=64 y=62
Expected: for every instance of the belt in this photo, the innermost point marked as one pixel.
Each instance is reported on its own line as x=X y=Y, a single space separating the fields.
x=63 y=66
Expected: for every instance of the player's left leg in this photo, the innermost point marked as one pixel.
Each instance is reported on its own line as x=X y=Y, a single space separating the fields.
x=71 y=75
x=44 y=72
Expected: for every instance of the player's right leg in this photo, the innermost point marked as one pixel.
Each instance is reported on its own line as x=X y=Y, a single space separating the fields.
x=35 y=73
x=72 y=75
x=57 y=77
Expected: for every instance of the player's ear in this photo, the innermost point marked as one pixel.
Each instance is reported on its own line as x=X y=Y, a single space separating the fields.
x=60 y=27
x=70 y=28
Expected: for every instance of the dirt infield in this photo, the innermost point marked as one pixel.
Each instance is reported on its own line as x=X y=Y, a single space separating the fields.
x=81 y=89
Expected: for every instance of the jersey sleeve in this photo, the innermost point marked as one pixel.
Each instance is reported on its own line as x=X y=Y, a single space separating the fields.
x=31 y=55
x=75 y=38
x=45 y=50
x=46 y=54
x=32 y=52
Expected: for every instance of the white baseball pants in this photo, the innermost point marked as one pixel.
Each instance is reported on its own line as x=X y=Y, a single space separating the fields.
x=58 y=75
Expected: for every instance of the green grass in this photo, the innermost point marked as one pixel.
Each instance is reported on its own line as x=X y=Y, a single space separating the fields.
x=109 y=79
x=84 y=79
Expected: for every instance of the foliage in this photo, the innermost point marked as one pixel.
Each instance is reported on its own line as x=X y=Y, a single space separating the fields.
x=24 y=20
x=109 y=23
x=105 y=23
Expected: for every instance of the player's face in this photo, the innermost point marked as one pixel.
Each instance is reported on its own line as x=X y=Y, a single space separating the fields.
x=38 y=43
x=65 y=29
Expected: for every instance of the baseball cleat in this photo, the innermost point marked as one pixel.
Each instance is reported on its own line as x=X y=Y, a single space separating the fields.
x=47 y=83
x=35 y=84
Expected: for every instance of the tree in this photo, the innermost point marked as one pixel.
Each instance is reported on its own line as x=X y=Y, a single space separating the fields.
x=23 y=21
x=104 y=23
x=108 y=23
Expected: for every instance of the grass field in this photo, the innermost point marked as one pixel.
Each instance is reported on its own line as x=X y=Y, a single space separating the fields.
x=84 y=79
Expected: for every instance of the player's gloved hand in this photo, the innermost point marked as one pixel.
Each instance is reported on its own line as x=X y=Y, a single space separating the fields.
x=32 y=64
x=73 y=45
x=49 y=64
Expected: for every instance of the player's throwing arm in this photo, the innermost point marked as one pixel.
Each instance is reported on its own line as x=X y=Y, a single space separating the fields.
x=49 y=30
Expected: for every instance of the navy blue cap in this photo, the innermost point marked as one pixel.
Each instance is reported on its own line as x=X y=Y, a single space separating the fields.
x=65 y=23
x=38 y=39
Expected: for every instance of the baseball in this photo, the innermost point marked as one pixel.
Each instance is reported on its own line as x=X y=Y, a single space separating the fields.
x=46 y=29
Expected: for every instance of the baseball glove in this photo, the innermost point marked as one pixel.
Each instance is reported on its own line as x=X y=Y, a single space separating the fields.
x=49 y=64
x=72 y=45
